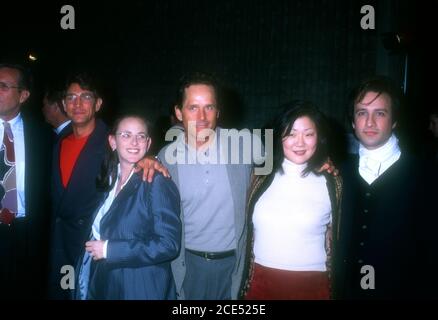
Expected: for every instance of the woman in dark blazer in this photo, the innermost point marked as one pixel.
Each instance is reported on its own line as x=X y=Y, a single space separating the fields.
x=136 y=232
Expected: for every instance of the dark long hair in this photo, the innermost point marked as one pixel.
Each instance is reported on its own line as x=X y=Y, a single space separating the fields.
x=282 y=126
x=108 y=171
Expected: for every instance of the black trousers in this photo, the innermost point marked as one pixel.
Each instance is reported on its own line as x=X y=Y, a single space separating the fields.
x=23 y=261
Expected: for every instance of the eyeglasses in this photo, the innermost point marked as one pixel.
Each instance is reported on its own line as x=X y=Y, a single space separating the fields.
x=5 y=87
x=127 y=136
x=85 y=97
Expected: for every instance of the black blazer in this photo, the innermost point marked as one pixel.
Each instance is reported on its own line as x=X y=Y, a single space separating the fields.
x=385 y=225
x=73 y=206
x=24 y=244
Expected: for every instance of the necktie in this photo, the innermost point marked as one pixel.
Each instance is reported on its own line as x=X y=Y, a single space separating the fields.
x=8 y=183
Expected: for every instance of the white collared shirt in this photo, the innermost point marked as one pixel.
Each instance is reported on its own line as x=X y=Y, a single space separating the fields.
x=17 y=130
x=62 y=126
x=104 y=209
x=373 y=163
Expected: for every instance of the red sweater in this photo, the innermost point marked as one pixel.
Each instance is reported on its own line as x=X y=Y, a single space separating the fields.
x=71 y=148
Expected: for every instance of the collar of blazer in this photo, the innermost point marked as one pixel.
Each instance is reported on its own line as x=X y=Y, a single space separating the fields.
x=127 y=191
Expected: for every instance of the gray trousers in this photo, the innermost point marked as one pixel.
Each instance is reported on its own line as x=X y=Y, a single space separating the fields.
x=208 y=279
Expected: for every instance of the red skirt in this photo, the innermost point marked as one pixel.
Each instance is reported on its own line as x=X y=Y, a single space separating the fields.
x=276 y=284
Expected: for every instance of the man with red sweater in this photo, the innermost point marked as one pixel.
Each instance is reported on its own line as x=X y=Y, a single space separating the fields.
x=76 y=163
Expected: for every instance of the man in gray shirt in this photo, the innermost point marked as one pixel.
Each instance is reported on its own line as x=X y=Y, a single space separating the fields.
x=213 y=195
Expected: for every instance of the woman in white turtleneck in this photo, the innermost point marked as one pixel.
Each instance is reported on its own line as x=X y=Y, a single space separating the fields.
x=291 y=212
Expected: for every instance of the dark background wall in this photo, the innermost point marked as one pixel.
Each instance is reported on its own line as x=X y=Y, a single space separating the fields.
x=267 y=52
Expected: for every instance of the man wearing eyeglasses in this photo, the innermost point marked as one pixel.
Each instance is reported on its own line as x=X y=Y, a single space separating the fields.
x=76 y=161
x=24 y=169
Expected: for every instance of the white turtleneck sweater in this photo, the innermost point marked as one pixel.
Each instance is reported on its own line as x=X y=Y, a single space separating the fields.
x=373 y=163
x=290 y=221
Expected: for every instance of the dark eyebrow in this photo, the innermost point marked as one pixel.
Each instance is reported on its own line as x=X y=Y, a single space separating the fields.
x=304 y=129
x=78 y=94
x=131 y=131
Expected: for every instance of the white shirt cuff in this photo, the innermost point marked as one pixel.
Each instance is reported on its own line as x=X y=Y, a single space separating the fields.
x=105 y=247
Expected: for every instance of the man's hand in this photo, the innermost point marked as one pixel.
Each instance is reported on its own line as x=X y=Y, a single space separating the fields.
x=149 y=165
x=329 y=167
x=95 y=249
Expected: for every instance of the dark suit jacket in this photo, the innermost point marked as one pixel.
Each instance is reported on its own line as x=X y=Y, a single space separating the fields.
x=143 y=230
x=62 y=134
x=24 y=244
x=73 y=206
x=384 y=225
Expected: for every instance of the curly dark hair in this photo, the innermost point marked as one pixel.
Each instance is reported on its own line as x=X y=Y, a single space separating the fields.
x=86 y=81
